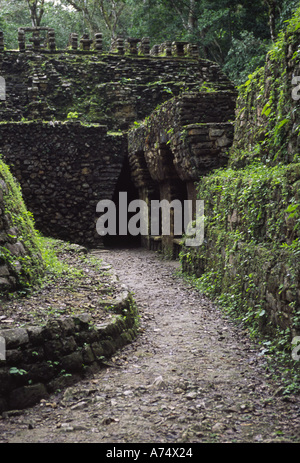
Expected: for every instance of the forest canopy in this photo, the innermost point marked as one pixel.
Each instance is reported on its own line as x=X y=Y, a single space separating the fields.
x=235 y=33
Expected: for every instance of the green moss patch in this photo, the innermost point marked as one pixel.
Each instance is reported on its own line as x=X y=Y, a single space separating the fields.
x=20 y=252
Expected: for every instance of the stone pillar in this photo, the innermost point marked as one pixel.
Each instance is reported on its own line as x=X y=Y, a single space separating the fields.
x=167 y=240
x=98 y=42
x=192 y=50
x=192 y=196
x=85 y=42
x=51 y=40
x=74 y=41
x=1 y=41
x=120 y=46
x=36 y=40
x=145 y=46
x=154 y=50
x=21 y=39
x=168 y=48
x=132 y=42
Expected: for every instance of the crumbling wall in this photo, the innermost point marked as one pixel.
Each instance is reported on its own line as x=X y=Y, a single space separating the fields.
x=65 y=169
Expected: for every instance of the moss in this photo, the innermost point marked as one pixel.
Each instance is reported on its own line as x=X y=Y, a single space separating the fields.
x=31 y=264
x=267 y=116
x=250 y=257
x=249 y=261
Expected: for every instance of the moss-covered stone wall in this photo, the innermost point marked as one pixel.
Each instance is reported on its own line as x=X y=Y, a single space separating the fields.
x=21 y=263
x=250 y=255
x=109 y=89
x=182 y=140
x=41 y=359
x=267 y=116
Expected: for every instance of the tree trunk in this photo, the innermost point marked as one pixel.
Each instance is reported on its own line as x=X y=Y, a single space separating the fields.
x=192 y=19
x=272 y=6
x=35 y=13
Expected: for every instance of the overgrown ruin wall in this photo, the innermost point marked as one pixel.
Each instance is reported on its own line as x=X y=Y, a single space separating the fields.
x=179 y=143
x=64 y=170
x=21 y=262
x=250 y=257
x=106 y=89
x=41 y=359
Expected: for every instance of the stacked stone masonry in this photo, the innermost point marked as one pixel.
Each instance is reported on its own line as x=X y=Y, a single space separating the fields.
x=112 y=90
x=172 y=150
x=64 y=170
x=62 y=134
x=40 y=360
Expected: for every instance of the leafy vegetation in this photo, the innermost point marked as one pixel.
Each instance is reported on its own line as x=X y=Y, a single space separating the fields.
x=249 y=261
x=252 y=227
x=29 y=267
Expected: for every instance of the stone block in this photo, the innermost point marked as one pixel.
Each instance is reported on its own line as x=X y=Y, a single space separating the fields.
x=27 y=396
x=72 y=362
x=15 y=337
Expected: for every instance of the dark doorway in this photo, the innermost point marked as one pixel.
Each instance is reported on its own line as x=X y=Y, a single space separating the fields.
x=124 y=184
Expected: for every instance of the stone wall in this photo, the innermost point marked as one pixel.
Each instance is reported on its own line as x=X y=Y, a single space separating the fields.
x=267 y=114
x=43 y=359
x=109 y=89
x=64 y=170
x=177 y=144
x=250 y=256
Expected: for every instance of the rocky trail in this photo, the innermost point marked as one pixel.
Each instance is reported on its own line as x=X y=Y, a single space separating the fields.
x=191 y=376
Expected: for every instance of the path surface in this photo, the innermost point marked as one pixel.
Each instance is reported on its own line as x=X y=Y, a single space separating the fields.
x=191 y=376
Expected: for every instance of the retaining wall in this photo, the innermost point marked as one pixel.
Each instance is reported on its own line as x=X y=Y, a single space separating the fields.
x=44 y=359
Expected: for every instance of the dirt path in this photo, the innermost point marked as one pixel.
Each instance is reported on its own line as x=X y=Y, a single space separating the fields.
x=191 y=376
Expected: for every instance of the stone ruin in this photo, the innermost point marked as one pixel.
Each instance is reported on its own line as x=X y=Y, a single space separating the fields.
x=174 y=150
x=38 y=41
x=72 y=165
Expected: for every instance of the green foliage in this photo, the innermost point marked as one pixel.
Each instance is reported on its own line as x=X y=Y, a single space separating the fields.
x=53 y=265
x=22 y=220
x=249 y=261
x=251 y=244
x=15 y=14
x=246 y=54
x=265 y=104
x=72 y=115
x=17 y=371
